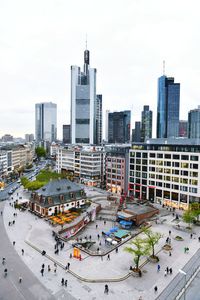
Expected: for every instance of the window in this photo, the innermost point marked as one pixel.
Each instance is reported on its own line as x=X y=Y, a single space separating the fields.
x=175 y=156
x=194 y=158
x=152 y=155
x=159 y=155
x=193 y=166
x=168 y=156
x=138 y=154
x=185 y=165
x=184 y=157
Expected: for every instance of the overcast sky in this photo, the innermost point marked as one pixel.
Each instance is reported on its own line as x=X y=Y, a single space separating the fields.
x=128 y=41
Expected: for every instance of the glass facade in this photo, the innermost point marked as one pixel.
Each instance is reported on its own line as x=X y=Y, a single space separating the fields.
x=119 y=127
x=46 y=122
x=146 y=130
x=194 y=124
x=168 y=107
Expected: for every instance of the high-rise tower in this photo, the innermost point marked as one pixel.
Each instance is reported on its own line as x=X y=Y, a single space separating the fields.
x=168 y=107
x=84 y=115
x=46 y=122
x=146 y=129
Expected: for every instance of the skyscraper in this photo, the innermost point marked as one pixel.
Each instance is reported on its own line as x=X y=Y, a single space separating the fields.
x=66 y=134
x=136 y=133
x=119 y=127
x=84 y=103
x=168 y=107
x=146 y=130
x=99 y=120
x=183 y=128
x=45 y=121
x=194 y=123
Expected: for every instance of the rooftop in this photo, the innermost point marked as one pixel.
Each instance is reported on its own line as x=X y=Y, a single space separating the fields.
x=59 y=186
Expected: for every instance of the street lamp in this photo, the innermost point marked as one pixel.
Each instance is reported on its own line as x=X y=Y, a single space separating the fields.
x=182 y=272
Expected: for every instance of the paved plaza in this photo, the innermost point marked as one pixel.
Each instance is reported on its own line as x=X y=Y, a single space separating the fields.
x=92 y=273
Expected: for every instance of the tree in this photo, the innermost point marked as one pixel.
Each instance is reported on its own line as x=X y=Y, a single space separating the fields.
x=152 y=239
x=188 y=217
x=195 y=209
x=34 y=185
x=24 y=181
x=140 y=249
x=40 y=152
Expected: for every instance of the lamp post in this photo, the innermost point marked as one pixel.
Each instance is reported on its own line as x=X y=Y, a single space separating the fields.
x=182 y=272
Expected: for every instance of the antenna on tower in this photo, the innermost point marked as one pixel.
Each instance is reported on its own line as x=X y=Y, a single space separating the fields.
x=86 y=42
x=163 y=67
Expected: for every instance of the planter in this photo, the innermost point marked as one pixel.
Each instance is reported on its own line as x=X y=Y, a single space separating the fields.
x=136 y=272
x=167 y=247
x=179 y=238
x=153 y=259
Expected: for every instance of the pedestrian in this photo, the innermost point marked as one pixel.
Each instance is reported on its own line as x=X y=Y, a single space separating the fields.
x=106 y=289
x=104 y=222
x=167 y=240
x=90 y=237
x=22 y=251
x=170 y=254
x=155 y=289
x=42 y=272
x=170 y=271
x=63 y=281
x=20 y=279
x=68 y=265
x=158 y=268
x=1 y=213
x=3 y=261
x=49 y=268
x=13 y=222
x=80 y=257
x=108 y=257
x=43 y=266
x=199 y=238
x=167 y=269
x=165 y=273
x=191 y=235
x=55 y=271
x=9 y=223
x=66 y=282
x=70 y=256
x=13 y=243
x=185 y=249
x=116 y=250
x=169 y=232
x=98 y=236
x=96 y=226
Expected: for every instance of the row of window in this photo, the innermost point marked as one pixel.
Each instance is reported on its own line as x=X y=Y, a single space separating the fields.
x=165 y=155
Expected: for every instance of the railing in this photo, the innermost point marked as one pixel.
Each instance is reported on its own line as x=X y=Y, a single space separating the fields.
x=179 y=281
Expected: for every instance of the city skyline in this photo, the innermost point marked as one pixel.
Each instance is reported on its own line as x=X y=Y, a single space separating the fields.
x=127 y=50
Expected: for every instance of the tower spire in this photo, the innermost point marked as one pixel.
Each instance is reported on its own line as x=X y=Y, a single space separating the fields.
x=163 y=67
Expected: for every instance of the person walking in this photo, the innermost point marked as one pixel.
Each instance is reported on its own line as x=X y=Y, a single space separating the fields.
x=13 y=243
x=165 y=273
x=3 y=261
x=68 y=265
x=155 y=289
x=106 y=290
x=43 y=265
x=42 y=272
x=169 y=232
x=116 y=250
x=170 y=254
x=20 y=279
x=158 y=268
x=199 y=238
x=63 y=281
x=170 y=271
x=108 y=257
x=22 y=251
x=66 y=282
x=49 y=268
x=191 y=235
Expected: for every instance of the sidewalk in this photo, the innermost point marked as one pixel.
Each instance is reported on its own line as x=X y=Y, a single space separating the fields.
x=39 y=233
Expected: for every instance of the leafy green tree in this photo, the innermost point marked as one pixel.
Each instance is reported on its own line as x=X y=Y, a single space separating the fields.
x=34 y=185
x=40 y=152
x=152 y=239
x=140 y=249
x=195 y=209
x=188 y=217
x=24 y=182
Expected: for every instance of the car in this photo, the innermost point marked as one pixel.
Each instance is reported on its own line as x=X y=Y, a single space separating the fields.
x=10 y=192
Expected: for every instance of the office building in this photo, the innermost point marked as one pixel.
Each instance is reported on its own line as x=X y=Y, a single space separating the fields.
x=66 y=134
x=29 y=138
x=136 y=133
x=183 y=128
x=194 y=123
x=146 y=126
x=117 y=165
x=46 y=122
x=166 y=171
x=119 y=127
x=99 y=120
x=84 y=105
x=85 y=163
x=106 y=126
x=7 y=138
x=168 y=107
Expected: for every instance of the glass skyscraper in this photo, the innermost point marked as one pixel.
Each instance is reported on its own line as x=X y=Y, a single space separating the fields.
x=146 y=130
x=119 y=127
x=194 y=123
x=168 y=107
x=46 y=122
x=85 y=104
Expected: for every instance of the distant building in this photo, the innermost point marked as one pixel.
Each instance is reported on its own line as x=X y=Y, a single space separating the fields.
x=7 y=138
x=146 y=126
x=46 y=122
x=106 y=125
x=183 y=128
x=194 y=123
x=136 y=133
x=168 y=107
x=66 y=134
x=85 y=104
x=29 y=138
x=99 y=120
x=119 y=127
